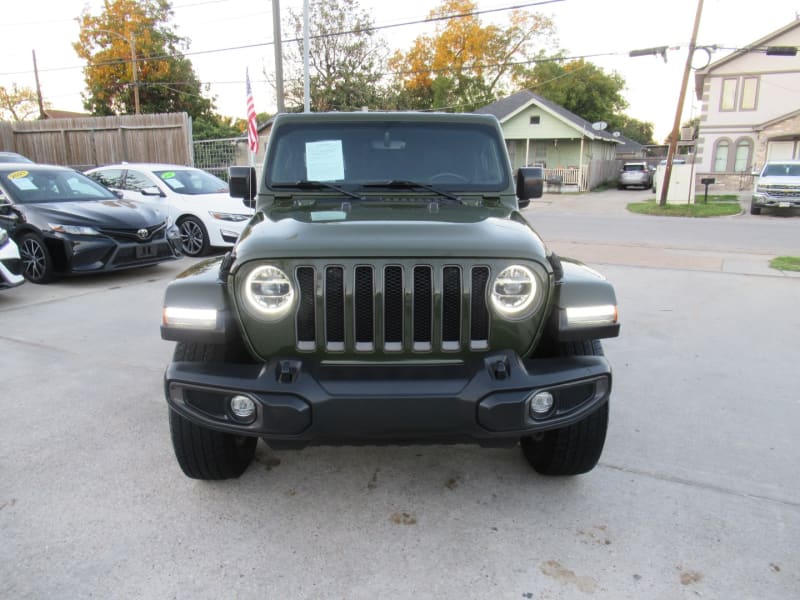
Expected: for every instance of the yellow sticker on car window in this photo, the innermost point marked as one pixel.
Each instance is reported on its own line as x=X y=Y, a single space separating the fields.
x=168 y=175
x=18 y=174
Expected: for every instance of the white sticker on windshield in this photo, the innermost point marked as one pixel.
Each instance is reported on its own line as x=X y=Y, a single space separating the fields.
x=324 y=160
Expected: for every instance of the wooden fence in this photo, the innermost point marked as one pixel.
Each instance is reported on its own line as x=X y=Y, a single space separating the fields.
x=87 y=142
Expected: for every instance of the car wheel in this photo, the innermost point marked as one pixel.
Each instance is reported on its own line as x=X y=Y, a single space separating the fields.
x=574 y=449
x=755 y=210
x=37 y=264
x=193 y=236
x=203 y=453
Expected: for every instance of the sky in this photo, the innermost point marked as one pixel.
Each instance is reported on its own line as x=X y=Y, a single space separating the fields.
x=604 y=31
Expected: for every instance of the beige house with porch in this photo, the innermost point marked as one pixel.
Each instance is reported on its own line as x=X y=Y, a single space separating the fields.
x=540 y=132
x=750 y=109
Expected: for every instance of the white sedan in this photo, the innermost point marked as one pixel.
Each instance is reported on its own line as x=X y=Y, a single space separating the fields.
x=10 y=263
x=195 y=200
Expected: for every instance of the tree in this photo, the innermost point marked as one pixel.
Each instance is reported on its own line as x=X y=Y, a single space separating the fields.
x=345 y=57
x=588 y=91
x=166 y=79
x=579 y=86
x=633 y=129
x=18 y=103
x=466 y=64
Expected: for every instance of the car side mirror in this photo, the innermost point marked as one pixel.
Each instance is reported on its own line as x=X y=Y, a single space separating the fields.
x=530 y=184
x=117 y=193
x=242 y=184
x=152 y=191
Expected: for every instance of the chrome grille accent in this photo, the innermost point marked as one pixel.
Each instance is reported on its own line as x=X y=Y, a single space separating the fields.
x=390 y=308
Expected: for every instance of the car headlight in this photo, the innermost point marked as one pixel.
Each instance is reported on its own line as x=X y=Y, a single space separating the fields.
x=762 y=189
x=223 y=216
x=268 y=292
x=513 y=291
x=73 y=229
x=3 y=237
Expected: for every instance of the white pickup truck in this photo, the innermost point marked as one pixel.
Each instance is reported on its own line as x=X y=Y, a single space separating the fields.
x=777 y=186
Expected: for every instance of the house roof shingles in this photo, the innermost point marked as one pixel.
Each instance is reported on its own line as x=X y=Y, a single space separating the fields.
x=509 y=106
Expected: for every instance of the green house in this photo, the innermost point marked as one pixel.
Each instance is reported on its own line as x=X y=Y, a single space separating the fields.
x=576 y=154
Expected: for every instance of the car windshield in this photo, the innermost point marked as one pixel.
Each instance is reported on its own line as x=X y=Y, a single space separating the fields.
x=634 y=167
x=40 y=185
x=192 y=182
x=461 y=157
x=782 y=170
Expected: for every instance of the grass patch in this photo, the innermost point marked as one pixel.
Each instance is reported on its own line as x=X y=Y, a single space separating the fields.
x=786 y=263
x=715 y=208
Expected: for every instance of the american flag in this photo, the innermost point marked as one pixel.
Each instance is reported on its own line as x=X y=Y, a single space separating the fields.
x=252 y=126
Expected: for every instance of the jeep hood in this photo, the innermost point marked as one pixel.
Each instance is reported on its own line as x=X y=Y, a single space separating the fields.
x=466 y=232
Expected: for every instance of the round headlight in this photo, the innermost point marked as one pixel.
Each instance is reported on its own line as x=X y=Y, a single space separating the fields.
x=269 y=292
x=513 y=291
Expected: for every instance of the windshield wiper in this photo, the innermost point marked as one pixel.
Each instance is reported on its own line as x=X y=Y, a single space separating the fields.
x=407 y=184
x=317 y=185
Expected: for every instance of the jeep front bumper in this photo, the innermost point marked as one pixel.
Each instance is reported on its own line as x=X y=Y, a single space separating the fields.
x=303 y=401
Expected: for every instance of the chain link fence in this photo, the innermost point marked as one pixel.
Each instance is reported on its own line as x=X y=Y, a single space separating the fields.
x=215 y=156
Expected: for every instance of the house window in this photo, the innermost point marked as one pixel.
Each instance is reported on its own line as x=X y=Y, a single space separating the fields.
x=749 y=93
x=721 y=156
x=535 y=120
x=744 y=150
x=728 y=99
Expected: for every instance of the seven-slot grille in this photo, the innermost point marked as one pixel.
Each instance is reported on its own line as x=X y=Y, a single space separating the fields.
x=392 y=308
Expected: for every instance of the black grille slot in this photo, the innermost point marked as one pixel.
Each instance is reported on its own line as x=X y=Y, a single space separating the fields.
x=479 y=322
x=334 y=307
x=451 y=307
x=364 y=310
x=306 y=319
x=393 y=307
x=423 y=307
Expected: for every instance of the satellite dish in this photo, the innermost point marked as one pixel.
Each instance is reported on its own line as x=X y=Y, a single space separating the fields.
x=616 y=134
x=599 y=126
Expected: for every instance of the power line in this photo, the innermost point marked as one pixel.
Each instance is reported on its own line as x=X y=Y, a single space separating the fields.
x=320 y=36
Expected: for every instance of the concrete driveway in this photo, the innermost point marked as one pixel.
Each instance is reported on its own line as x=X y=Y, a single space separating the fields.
x=696 y=495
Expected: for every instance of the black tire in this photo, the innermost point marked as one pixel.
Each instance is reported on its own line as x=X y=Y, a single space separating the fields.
x=194 y=237
x=37 y=264
x=203 y=453
x=574 y=449
x=755 y=210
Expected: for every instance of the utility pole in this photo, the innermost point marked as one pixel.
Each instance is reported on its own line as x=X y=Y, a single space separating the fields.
x=276 y=37
x=306 y=82
x=38 y=87
x=135 y=73
x=673 y=140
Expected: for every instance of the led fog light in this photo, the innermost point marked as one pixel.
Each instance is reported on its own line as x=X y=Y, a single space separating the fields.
x=243 y=407
x=541 y=404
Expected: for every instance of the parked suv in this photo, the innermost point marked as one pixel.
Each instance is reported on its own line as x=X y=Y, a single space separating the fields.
x=634 y=173
x=777 y=186
x=387 y=290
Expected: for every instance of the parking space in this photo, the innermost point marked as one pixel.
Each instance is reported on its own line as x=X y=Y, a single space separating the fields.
x=696 y=494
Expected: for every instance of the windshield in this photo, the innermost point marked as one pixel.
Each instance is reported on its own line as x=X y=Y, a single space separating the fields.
x=781 y=170
x=192 y=182
x=634 y=167
x=27 y=187
x=459 y=156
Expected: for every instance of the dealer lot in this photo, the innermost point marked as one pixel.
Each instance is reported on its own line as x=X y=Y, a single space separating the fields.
x=696 y=494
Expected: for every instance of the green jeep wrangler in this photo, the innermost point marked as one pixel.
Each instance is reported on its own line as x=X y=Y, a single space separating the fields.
x=388 y=290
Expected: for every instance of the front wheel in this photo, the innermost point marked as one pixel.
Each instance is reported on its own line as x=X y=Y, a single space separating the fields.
x=755 y=210
x=574 y=449
x=193 y=236
x=204 y=453
x=37 y=264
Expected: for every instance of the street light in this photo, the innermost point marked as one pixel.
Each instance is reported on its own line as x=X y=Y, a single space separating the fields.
x=134 y=74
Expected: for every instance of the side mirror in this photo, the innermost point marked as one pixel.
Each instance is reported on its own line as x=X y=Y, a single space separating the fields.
x=152 y=191
x=242 y=184
x=530 y=184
